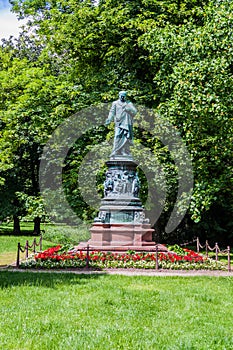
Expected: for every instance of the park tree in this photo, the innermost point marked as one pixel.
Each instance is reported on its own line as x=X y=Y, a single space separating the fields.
x=96 y=43
x=194 y=84
x=30 y=110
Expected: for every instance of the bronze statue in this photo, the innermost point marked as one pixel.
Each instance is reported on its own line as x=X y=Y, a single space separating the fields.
x=122 y=111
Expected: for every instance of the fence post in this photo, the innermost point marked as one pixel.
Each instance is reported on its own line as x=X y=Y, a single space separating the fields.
x=26 y=247
x=156 y=257
x=87 y=258
x=229 y=258
x=206 y=248
x=216 y=251
x=198 y=245
x=18 y=256
x=34 y=245
x=40 y=242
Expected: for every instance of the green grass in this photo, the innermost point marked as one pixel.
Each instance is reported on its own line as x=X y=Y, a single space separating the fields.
x=9 y=246
x=7 y=228
x=59 y=233
x=52 y=311
x=66 y=234
x=52 y=235
x=221 y=257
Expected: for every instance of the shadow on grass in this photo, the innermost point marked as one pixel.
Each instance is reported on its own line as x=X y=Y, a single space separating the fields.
x=27 y=228
x=9 y=232
x=10 y=279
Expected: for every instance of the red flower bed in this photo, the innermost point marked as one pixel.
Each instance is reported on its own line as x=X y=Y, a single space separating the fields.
x=48 y=253
x=176 y=258
x=54 y=254
x=173 y=257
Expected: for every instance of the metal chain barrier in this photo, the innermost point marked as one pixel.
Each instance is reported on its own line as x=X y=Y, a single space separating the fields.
x=217 y=250
x=25 y=249
x=87 y=249
x=155 y=249
x=188 y=243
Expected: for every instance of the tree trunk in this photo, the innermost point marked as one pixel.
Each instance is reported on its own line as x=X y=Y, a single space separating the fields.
x=16 y=229
x=37 y=221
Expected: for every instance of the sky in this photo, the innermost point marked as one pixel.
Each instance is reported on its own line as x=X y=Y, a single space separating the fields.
x=9 y=25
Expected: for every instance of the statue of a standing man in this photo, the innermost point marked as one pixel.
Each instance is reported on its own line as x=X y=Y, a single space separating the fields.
x=122 y=111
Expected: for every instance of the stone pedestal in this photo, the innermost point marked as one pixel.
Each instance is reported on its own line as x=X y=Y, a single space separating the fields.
x=119 y=234
x=121 y=221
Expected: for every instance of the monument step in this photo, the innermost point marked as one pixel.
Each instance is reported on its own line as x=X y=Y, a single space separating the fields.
x=146 y=247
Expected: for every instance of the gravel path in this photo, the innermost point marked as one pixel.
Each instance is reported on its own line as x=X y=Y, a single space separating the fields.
x=165 y=273
x=132 y=272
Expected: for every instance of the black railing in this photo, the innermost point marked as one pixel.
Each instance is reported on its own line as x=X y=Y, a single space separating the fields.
x=25 y=249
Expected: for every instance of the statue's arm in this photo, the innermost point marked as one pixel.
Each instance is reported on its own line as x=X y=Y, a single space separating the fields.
x=111 y=114
x=131 y=109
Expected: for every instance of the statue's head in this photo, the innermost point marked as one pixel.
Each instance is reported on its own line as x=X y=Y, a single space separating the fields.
x=122 y=95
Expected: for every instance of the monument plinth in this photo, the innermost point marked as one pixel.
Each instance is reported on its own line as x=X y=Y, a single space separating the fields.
x=121 y=220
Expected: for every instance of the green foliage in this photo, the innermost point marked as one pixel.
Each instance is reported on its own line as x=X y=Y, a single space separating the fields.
x=173 y=56
x=34 y=206
x=176 y=249
x=65 y=234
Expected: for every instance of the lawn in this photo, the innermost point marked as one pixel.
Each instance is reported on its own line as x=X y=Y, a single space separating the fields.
x=52 y=235
x=9 y=244
x=7 y=228
x=49 y=311
x=59 y=233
